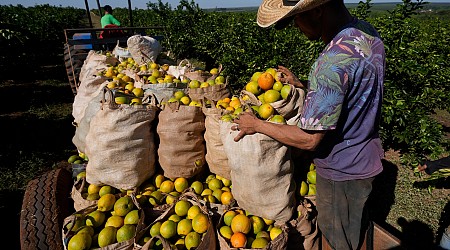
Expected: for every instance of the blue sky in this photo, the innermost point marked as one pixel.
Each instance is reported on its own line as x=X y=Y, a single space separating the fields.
x=143 y=3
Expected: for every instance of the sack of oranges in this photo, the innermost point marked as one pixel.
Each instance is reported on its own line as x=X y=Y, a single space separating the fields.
x=238 y=229
x=113 y=223
x=181 y=149
x=185 y=224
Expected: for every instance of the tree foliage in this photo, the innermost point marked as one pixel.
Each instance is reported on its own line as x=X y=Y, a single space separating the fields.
x=417 y=49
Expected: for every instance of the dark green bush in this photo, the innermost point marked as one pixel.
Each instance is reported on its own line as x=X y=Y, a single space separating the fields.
x=417 y=50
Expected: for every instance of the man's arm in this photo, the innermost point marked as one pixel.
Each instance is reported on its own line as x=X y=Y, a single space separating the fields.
x=287 y=134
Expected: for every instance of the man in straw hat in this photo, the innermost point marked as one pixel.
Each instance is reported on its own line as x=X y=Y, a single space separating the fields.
x=341 y=113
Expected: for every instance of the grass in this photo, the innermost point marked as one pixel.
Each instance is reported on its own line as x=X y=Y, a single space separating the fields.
x=413 y=208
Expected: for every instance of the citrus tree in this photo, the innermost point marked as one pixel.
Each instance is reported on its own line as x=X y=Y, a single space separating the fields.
x=417 y=50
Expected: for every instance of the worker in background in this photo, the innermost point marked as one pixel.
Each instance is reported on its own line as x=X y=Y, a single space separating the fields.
x=108 y=18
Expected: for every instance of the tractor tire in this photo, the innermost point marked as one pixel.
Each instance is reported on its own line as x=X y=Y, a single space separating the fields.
x=73 y=66
x=46 y=204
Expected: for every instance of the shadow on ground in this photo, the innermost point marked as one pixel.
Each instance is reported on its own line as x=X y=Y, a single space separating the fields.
x=35 y=141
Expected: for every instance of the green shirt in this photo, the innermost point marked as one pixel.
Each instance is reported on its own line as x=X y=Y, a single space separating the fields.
x=109 y=19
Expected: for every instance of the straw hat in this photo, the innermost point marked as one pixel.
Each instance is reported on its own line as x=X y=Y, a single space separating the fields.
x=272 y=11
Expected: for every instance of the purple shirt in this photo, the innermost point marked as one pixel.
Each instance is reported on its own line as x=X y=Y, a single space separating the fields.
x=344 y=97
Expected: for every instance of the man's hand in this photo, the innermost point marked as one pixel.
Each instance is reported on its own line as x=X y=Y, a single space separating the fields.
x=289 y=77
x=247 y=123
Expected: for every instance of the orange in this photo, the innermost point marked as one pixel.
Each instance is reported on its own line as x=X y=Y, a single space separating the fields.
x=259 y=243
x=272 y=71
x=182 y=207
x=126 y=232
x=226 y=198
x=241 y=223
x=253 y=87
x=226 y=232
x=274 y=232
x=277 y=86
x=181 y=184
x=184 y=227
x=312 y=189
x=271 y=95
x=217 y=193
x=265 y=111
x=238 y=240
x=311 y=177
x=167 y=186
x=230 y=109
x=226 y=100
x=257 y=224
x=154 y=230
x=256 y=76
x=193 y=211
x=197 y=186
x=192 y=240
x=200 y=223
x=285 y=90
x=228 y=217
x=168 y=229
x=266 y=81
x=235 y=103
x=278 y=119
x=215 y=183
x=303 y=188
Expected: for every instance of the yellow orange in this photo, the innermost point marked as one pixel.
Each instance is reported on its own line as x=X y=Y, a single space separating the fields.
x=200 y=223
x=241 y=223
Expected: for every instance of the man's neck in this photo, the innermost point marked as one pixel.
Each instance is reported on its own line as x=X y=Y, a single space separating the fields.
x=334 y=20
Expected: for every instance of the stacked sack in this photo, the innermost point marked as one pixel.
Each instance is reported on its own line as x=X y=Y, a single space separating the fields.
x=161 y=151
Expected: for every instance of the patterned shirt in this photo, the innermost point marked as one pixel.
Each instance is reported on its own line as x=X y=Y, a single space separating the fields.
x=344 y=97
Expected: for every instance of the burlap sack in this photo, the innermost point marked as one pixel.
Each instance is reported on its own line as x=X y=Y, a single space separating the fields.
x=261 y=173
x=181 y=148
x=163 y=91
x=304 y=232
x=291 y=108
x=279 y=243
x=201 y=75
x=209 y=240
x=215 y=152
x=120 y=52
x=90 y=83
x=79 y=202
x=179 y=70
x=151 y=243
x=82 y=127
x=214 y=93
x=143 y=49
x=67 y=232
x=120 y=145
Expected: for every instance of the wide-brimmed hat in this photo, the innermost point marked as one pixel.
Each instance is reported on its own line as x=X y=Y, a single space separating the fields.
x=272 y=11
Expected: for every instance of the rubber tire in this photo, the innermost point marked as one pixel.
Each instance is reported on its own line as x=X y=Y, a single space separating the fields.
x=73 y=67
x=45 y=205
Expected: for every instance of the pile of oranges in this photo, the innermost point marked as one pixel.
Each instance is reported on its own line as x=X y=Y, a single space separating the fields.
x=243 y=230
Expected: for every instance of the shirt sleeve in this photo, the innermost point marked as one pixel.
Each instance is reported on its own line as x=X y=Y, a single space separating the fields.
x=326 y=91
x=114 y=20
